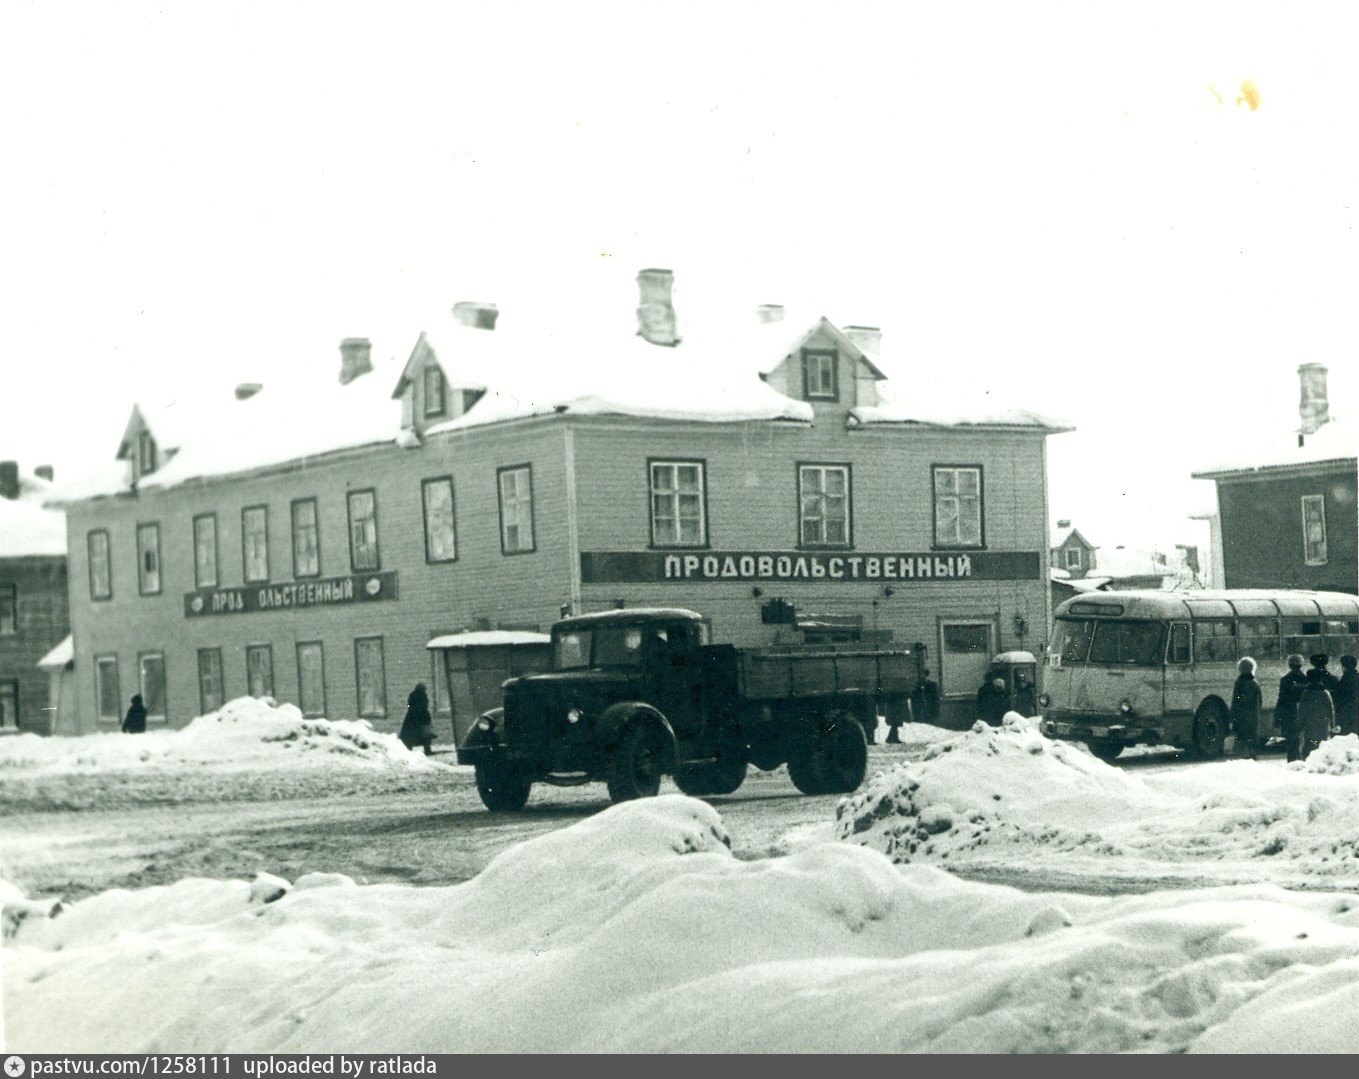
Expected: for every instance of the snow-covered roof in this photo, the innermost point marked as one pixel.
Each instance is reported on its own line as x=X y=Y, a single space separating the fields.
x=489 y=638
x=1059 y=537
x=1114 y=562
x=26 y=527
x=62 y=655
x=1014 y=657
x=1336 y=441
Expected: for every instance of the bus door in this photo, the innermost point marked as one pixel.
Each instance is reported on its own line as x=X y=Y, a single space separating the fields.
x=1177 y=679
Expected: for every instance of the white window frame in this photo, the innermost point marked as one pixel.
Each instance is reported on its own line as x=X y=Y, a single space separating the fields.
x=315 y=529
x=302 y=702
x=958 y=501
x=434 y=373
x=259 y=649
x=1073 y=558
x=98 y=595
x=433 y=483
x=823 y=362
x=1323 y=556
x=516 y=509
x=100 y=662
x=201 y=579
x=220 y=688
x=9 y=720
x=164 y=685
x=9 y=603
x=148 y=570
x=254 y=544
x=668 y=491
x=146 y=453
x=364 y=555
x=817 y=492
x=379 y=711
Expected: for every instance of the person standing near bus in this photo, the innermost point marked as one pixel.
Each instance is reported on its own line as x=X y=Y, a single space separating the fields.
x=1316 y=708
x=1291 y=686
x=1246 y=710
x=1347 y=698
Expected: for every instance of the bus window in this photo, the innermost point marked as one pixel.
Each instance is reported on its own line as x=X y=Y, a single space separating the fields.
x=1215 y=641
x=1071 y=640
x=1301 y=637
x=1338 y=640
x=1179 y=643
x=1260 y=638
x=1135 y=643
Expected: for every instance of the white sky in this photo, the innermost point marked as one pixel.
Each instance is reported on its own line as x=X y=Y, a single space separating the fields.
x=1063 y=203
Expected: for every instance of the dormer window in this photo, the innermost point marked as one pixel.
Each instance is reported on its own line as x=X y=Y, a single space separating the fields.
x=435 y=393
x=1073 y=558
x=146 y=453
x=818 y=375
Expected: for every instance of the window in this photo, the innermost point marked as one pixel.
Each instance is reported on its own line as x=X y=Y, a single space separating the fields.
x=434 y=392
x=1260 y=638
x=516 y=509
x=1179 y=643
x=1073 y=558
x=151 y=677
x=1302 y=637
x=363 y=541
x=824 y=510
x=370 y=677
x=441 y=537
x=255 y=543
x=1314 y=529
x=210 y=689
x=9 y=610
x=958 y=506
x=438 y=684
x=1215 y=641
x=9 y=706
x=1128 y=643
x=678 y=512
x=107 y=698
x=1071 y=639
x=311 y=678
x=205 y=551
x=148 y=559
x=146 y=453
x=259 y=670
x=101 y=579
x=306 y=539
x=818 y=374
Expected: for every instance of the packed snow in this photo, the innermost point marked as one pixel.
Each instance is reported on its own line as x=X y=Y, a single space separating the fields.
x=637 y=930
x=1009 y=797
x=247 y=733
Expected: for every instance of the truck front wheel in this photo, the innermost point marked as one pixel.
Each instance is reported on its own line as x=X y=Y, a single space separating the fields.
x=502 y=788
x=637 y=763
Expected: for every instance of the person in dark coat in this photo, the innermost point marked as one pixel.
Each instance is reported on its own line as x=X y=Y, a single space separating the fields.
x=417 y=729
x=1246 y=710
x=993 y=701
x=1347 y=697
x=1026 y=704
x=925 y=704
x=1316 y=707
x=1291 y=686
x=135 y=720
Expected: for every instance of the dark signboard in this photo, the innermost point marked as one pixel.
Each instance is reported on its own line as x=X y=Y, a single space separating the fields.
x=320 y=592
x=824 y=567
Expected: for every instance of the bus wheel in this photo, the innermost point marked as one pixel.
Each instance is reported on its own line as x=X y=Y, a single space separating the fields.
x=1108 y=752
x=1210 y=730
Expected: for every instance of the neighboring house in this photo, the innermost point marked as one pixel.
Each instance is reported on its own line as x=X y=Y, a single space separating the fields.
x=306 y=542
x=33 y=597
x=1286 y=513
x=1071 y=552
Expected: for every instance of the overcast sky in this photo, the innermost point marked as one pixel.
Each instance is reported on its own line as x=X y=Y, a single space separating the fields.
x=1074 y=206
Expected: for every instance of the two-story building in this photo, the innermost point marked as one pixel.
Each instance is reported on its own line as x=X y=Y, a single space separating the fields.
x=306 y=542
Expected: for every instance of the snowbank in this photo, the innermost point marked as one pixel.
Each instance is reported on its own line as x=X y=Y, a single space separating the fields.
x=637 y=930
x=1334 y=757
x=1009 y=797
x=244 y=733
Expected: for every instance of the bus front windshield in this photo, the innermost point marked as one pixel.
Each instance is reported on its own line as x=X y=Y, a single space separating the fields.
x=1136 y=644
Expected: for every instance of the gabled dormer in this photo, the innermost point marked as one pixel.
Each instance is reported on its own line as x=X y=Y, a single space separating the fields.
x=429 y=388
x=139 y=447
x=1073 y=552
x=829 y=367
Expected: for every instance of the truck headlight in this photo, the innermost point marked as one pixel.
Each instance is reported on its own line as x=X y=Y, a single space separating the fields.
x=1044 y=700
x=1125 y=706
x=574 y=715
x=485 y=723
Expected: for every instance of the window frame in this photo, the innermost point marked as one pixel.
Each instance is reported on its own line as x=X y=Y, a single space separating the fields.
x=95 y=597
x=245 y=545
x=437 y=371
x=676 y=463
x=382 y=677
x=146 y=452
x=216 y=553
x=316 y=524
x=938 y=544
x=532 y=514
x=425 y=484
x=301 y=702
x=221 y=680
x=831 y=354
x=802 y=542
x=142 y=657
x=1307 y=557
x=354 y=566
x=111 y=658
x=266 y=648
x=9 y=598
x=142 y=590
x=1072 y=563
x=17 y=689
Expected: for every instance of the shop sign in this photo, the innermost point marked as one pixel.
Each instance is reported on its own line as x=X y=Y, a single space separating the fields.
x=320 y=592
x=825 y=567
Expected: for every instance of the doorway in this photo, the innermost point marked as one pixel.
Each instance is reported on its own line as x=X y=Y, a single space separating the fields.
x=966 y=648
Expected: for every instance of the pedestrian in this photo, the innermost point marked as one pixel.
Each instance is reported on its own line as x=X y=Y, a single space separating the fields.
x=417 y=729
x=1026 y=704
x=1246 y=710
x=925 y=704
x=135 y=720
x=1347 y=698
x=1316 y=707
x=1291 y=686
x=993 y=701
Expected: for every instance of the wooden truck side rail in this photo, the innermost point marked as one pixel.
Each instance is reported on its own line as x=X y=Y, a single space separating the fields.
x=787 y=672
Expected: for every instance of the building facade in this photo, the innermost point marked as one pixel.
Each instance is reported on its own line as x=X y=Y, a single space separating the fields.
x=806 y=507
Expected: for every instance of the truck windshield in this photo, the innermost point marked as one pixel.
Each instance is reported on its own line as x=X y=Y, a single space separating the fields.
x=571 y=650
x=1139 y=644
x=603 y=646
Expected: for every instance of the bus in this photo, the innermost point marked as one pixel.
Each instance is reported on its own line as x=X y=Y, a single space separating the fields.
x=1157 y=668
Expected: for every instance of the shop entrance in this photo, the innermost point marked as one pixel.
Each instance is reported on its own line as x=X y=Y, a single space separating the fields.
x=965 y=659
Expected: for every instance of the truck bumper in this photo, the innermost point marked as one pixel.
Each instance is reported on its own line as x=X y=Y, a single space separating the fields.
x=1100 y=729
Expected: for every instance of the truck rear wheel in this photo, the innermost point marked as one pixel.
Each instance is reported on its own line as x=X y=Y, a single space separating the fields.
x=721 y=776
x=502 y=788
x=637 y=763
x=836 y=761
x=805 y=773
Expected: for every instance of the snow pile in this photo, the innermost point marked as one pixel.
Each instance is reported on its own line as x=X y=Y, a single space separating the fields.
x=1009 y=802
x=244 y=733
x=642 y=915
x=1334 y=757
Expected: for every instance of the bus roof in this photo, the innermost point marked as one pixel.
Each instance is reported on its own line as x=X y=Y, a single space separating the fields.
x=1211 y=603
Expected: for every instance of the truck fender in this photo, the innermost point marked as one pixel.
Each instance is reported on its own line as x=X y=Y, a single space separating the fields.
x=616 y=718
x=478 y=744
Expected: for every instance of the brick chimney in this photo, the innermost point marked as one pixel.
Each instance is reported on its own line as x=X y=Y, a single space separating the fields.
x=247 y=390
x=769 y=312
x=1064 y=523
x=356 y=358
x=1313 y=408
x=656 y=307
x=9 y=479
x=867 y=338
x=45 y=472
x=479 y=316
